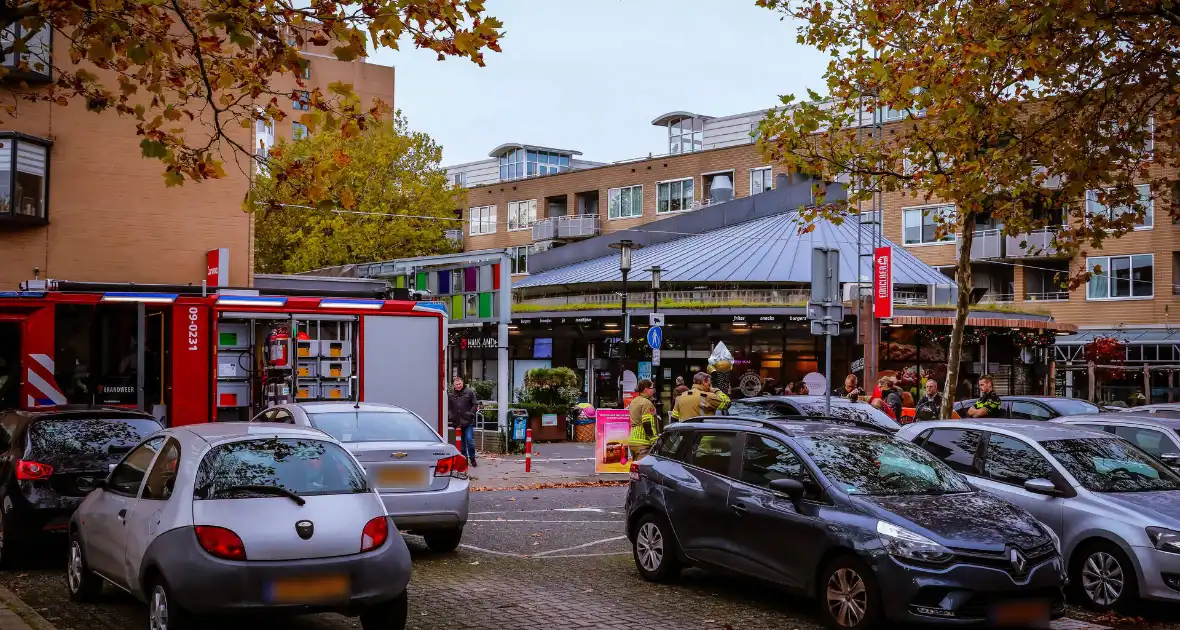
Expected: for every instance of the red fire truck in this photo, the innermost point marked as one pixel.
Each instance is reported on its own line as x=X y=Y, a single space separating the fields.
x=191 y=357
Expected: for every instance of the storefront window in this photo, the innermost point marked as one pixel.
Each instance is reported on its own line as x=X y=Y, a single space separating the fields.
x=97 y=353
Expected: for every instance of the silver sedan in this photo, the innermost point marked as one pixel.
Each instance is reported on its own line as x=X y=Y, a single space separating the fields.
x=422 y=479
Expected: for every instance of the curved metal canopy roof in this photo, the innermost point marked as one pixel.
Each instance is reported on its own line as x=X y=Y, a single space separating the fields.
x=769 y=249
x=664 y=119
x=509 y=146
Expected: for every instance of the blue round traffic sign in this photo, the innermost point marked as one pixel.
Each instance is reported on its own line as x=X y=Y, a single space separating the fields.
x=655 y=336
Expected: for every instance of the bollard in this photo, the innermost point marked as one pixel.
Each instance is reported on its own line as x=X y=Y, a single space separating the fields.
x=528 y=450
x=459 y=441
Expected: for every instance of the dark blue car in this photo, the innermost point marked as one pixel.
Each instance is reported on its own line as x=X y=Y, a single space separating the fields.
x=874 y=528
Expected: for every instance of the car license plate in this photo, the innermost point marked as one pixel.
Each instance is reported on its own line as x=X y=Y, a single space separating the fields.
x=1024 y=614
x=310 y=590
x=402 y=477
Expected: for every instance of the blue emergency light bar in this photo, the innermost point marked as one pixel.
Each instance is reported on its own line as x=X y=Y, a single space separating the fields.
x=150 y=298
x=22 y=294
x=343 y=303
x=251 y=300
x=431 y=306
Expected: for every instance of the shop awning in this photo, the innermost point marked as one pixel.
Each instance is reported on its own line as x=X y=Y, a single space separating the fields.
x=769 y=249
x=1128 y=336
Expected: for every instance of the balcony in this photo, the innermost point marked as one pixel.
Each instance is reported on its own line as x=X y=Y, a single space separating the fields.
x=1035 y=244
x=997 y=298
x=1049 y=296
x=561 y=228
x=454 y=236
x=986 y=245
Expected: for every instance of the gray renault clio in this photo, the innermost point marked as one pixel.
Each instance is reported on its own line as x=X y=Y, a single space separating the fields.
x=875 y=528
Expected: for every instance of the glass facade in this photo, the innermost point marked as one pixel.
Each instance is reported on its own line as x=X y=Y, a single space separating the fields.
x=520 y=163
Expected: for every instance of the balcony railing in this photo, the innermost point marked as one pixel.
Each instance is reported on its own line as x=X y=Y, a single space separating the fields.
x=1034 y=244
x=705 y=297
x=454 y=236
x=986 y=245
x=576 y=226
x=1048 y=296
x=997 y=298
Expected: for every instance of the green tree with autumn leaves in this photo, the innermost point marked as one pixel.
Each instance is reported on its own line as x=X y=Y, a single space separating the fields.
x=336 y=199
x=195 y=75
x=1015 y=113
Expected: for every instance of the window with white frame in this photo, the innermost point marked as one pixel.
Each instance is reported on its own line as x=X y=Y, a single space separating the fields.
x=686 y=135
x=921 y=225
x=761 y=179
x=518 y=259
x=521 y=163
x=674 y=196
x=482 y=220
x=301 y=100
x=298 y=130
x=1121 y=277
x=264 y=136
x=625 y=202
x=1096 y=208
x=459 y=179
x=522 y=214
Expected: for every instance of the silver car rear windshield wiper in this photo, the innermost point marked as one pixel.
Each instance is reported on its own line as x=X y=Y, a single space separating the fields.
x=265 y=490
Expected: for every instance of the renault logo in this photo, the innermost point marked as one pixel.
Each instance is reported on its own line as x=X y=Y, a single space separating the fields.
x=400 y=455
x=1019 y=562
x=305 y=529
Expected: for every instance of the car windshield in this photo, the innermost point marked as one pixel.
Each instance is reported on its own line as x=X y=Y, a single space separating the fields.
x=1073 y=407
x=1112 y=465
x=75 y=441
x=373 y=426
x=847 y=411
x=880 y=465
x=302 y=466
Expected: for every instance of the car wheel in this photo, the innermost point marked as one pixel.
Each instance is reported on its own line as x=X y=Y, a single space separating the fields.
x=163 y=611
x=83 y=584
x=388 y=616
x=1102 y=577
x=849 y=599
x=444 y=541
x=656 y=554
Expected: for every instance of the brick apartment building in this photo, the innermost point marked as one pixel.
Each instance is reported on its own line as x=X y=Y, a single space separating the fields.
x=101 y=212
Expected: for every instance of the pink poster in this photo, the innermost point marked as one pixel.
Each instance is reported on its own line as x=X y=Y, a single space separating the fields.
x=612 y=431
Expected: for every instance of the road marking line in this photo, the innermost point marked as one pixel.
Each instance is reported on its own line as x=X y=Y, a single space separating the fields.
x=528 y=520
x=581 y=546
x=586 y=555
x=606 y=510
x=494 y=553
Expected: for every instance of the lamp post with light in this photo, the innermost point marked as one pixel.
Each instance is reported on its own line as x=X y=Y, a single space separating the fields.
x=625 y=248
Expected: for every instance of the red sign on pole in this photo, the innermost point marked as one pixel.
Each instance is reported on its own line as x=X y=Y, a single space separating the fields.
x=883 y=282
x=217 y=267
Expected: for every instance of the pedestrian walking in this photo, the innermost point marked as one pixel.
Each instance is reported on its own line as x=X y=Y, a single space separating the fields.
x=930 y=405
x=851 y=391
x=461 y=405
x=988 y=404
x=701 y=400
x=644 y=428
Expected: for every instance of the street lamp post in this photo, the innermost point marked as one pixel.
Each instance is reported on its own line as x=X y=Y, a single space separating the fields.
x=655 y=308
x=625 y=248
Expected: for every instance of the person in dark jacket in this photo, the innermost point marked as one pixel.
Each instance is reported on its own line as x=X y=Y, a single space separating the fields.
x=930 y=406
x=461 y=404
x=892 y=395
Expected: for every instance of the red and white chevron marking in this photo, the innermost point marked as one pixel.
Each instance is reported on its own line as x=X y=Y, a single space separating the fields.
x=40 y=378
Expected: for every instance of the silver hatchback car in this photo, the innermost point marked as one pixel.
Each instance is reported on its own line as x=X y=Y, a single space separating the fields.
x=422 y=479
x=240 y=517
x=1115 y=508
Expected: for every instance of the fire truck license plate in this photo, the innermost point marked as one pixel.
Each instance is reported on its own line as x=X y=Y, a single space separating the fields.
x=402 y=477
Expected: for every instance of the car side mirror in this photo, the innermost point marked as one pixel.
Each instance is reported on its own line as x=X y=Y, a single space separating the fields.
x=1041 y=486
x=792 y=488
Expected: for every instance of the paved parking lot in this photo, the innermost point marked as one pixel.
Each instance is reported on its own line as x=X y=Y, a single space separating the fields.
x=534 y=559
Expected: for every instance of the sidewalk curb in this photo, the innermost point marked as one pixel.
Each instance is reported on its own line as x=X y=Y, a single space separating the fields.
x=31 y=617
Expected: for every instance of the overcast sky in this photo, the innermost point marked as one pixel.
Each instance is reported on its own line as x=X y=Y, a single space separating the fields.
x=590 y=75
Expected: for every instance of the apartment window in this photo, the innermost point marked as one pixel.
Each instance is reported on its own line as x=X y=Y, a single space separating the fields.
x=301 y=100
x=1121 y=277
x=306 y=72
x=459 y=179
x=298 y=130
x=33 y=63
x=522 y=214
x=625 y=202
x=761 y=180
x=674 y=196
x=518 y=259
x=482 y=220
x=264 y=134
x=24 y=177
x=520 y=163
x=920 y=225
x=686 y=135
x=1095 y=208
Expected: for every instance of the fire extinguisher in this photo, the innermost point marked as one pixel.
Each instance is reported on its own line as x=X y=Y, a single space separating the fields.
x=278 y=344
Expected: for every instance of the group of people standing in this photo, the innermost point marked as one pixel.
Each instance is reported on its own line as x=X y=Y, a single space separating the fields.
x=889 y=399
x=687 y=403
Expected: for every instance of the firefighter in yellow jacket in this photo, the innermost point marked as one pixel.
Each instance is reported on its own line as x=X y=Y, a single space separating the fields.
x=644 y=428
x=701 y=400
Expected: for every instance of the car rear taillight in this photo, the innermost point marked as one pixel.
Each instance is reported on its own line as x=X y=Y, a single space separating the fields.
x=375 y=533
x=451 y=466
x=634 y=471
x=221 y=542
x=30 y=471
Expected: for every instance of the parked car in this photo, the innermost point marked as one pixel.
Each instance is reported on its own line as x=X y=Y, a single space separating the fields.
x=51 y=460
x=1156 y=434
x=1035 y=407
x=421 y=477
x=810 y=406
x=875 y=528
x=238 y=517
x=1115 y=508
x=1171 y=410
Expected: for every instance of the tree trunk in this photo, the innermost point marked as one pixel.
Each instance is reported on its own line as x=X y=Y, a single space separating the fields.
x=963 y=278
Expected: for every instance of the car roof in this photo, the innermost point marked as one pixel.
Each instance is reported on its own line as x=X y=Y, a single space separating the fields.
x=215 y=432
x=328 y=406
x=1159 y=406
x=791 y=427
x=87 y=411
x=810 y=400
x=1033 y=429
x=1126 y=416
